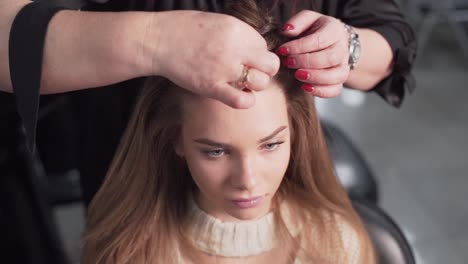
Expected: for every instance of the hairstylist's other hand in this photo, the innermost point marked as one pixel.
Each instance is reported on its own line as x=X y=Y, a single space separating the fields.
x=319 y=53
x=205 y=52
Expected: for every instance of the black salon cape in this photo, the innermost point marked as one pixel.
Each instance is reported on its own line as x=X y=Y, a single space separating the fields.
x=104 y=112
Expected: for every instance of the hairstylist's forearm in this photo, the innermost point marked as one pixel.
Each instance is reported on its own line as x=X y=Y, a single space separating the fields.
x=375 y=63
x=89 y=49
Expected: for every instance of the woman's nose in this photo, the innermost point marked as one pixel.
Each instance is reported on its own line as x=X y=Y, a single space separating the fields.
x=244 y=176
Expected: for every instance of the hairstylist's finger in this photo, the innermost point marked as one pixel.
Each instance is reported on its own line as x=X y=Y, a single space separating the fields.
x=300 y=23
x=331 y=57
x=264 y=61
x=323 y=37
x=328 y=91
x=234 y=97
x=257 y=80
x=325 y=77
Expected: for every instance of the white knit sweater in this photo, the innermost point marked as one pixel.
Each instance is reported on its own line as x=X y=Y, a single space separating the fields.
x=232 y=239
x=250 y=238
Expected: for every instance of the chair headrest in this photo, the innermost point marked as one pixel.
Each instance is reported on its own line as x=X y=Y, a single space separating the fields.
x=391 y=246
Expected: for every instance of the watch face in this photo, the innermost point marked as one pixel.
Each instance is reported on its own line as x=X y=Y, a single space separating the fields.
x=356 y=51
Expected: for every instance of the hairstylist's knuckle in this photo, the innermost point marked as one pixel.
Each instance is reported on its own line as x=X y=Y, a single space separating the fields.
x=343 y=73
x=234 y=29
x=305 y=13
x=319 y=92
x=336 y=90
x=306 y=61
x=301 y=45
x=258 y=78
x=268 y=62
x=323 y=91
x=344 y=51
x=334 y=22
x=315 y=77
x=261 y=41
x=232 y=23
x=325 y=38
x=299 y=15
x=318 y=41
x=275 y=64
x=333 y=58
x=333 y=76
x=302 y=12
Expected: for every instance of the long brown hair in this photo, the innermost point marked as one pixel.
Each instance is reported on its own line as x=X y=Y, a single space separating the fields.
x=140 y=213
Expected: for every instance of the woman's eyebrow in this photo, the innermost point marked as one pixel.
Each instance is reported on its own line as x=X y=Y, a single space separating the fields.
x=212 y=143
x=272 y=135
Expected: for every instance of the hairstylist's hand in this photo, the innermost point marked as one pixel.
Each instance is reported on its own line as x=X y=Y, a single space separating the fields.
x=205 y=52
x=320 y=53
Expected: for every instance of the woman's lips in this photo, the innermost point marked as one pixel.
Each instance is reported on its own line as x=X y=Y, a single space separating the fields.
x=248 y=203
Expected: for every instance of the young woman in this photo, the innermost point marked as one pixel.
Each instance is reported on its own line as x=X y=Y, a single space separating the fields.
x=195 y=181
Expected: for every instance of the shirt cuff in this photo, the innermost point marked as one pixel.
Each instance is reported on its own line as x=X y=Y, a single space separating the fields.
x=392 y=89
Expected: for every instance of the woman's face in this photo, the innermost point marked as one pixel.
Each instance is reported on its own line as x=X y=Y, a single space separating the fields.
x=237 y=158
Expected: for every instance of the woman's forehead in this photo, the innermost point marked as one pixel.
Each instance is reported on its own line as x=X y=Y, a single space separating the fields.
x=209 y=117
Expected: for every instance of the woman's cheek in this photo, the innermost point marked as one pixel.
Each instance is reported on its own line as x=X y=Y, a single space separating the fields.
x=281 y=162
x=280 y=157
x=210 y=171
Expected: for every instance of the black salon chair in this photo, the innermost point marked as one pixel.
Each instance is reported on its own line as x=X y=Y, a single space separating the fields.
x=27 y=225
x=351 y=168
x=389 y=241
x=357 y=178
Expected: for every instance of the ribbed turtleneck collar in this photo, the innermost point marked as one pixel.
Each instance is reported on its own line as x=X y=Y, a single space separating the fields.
x=231 y=239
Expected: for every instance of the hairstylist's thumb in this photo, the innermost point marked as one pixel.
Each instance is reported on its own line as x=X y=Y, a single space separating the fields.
x=234 y=97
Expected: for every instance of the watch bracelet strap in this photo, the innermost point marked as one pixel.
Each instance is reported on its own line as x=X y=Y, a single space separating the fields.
x=352 y=37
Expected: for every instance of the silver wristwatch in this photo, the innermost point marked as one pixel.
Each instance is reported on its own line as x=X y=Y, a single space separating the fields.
x=354 y=47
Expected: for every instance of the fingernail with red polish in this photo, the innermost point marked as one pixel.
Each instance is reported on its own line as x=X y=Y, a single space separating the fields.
x=302 y=75
x=289 y=61
x=307 y=87
x=287 y=27
x=283 y=51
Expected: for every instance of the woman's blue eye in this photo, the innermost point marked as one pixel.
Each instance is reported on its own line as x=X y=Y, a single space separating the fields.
x=215 y=153
x=272 y=146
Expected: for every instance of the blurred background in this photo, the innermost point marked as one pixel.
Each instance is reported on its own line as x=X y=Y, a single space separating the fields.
x=419 y=152
x=416 y=154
